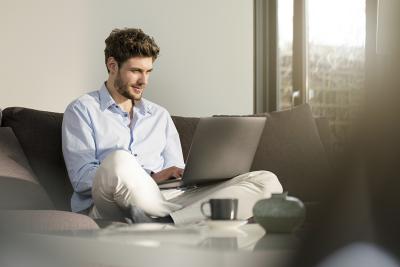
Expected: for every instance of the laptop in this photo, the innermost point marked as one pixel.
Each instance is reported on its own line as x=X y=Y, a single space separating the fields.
x=222 y=148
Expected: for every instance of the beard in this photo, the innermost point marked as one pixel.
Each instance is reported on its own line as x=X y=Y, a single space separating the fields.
x=124 y=89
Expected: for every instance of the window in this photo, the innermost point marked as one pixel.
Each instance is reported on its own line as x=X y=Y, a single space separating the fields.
x=325 y=50
x=336 y=60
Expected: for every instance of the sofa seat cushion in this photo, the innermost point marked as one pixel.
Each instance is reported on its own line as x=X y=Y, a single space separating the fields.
x=39 y=133
x=291 y=148
x=19 y=188
x=40 y=221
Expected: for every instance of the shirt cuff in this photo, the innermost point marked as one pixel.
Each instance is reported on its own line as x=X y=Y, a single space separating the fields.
x=149 y=172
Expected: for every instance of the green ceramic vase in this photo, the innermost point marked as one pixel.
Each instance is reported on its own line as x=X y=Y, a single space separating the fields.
x=280 y=213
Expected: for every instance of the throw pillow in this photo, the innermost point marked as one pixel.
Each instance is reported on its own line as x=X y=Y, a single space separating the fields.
x=290 y=147
x=39 y=133
x=19 y=188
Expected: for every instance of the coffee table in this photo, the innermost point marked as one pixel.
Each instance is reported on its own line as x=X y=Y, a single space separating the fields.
x=166 y=245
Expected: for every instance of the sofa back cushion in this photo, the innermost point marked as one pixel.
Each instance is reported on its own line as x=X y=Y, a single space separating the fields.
x=291 y=148
x=19 y=188
x=186 y=127
x=326 y=137
x=39 y=133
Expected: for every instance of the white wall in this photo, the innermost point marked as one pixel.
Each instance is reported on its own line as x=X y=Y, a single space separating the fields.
x=51 y=52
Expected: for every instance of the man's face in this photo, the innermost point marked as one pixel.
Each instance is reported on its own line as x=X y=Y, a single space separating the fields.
x=133 y=76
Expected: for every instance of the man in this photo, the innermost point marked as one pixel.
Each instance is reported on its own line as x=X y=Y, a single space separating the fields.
x=117 y=146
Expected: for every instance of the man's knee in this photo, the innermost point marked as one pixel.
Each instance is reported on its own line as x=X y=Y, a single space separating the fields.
x=262 y=181
x=117 y=159
x=112 y=170
x=266 y=176
x=269 y=180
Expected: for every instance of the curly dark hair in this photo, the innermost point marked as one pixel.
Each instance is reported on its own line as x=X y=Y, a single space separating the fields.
x=122 y=44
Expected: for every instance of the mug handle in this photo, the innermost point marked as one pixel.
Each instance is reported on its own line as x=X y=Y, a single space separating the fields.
x=202 y=209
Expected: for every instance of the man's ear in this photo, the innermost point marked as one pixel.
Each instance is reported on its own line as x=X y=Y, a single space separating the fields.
x=112 y=65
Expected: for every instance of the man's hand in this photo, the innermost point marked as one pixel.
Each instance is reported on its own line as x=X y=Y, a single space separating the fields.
x=168 y=173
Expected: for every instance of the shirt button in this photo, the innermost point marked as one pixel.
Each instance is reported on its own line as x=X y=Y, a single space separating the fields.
x=135 y=155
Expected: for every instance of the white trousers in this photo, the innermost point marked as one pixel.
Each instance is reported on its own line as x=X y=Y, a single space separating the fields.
x=121 y=182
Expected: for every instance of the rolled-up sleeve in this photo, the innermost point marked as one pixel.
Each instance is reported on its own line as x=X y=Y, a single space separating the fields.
x=172 y=152
x=79 y=148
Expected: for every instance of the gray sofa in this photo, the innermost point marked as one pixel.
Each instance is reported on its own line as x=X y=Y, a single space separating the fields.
x=35 y=190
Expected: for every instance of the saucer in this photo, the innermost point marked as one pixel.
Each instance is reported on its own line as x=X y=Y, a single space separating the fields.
x=220 y=224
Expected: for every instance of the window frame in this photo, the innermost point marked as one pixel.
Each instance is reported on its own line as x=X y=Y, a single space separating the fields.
x=266 y=60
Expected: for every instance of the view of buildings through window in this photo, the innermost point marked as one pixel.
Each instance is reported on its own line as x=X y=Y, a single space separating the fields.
x=285 y=53
x=336 y=59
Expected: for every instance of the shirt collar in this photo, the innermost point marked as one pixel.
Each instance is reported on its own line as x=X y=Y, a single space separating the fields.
x=144 y=106
x=105 y=98
x=106 y=101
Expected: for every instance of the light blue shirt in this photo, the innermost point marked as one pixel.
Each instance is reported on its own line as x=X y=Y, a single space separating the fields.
x=94 y=126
